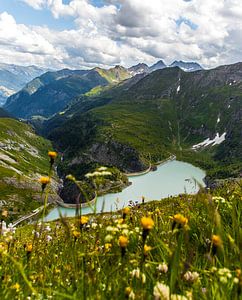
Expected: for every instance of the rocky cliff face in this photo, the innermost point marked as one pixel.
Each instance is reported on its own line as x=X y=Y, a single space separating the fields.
x=112 y=153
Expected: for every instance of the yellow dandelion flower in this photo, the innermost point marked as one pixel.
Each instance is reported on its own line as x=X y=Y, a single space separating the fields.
x=108 y=246
x=147 y=223
x=76 y=233
x=126 y=210
x=52 y=154
x=84 y=220
x=128 y=290
x=180 y=219
x=123 y=241
x=29 y=248
x=216 y=240
x=16 y=287
x=44 y=180
x=147 y=249
x=120 y=221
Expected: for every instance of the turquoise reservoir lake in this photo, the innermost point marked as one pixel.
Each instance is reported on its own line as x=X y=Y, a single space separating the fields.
x=170 y=179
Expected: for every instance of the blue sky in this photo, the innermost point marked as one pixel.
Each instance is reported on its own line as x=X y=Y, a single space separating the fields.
x=87 y=33
x=25 y=14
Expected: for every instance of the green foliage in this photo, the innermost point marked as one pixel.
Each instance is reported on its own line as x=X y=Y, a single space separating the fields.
x=81 y=258
x=23 y=159
x=156 y=119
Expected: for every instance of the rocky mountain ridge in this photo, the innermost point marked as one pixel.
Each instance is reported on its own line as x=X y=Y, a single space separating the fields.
x=51 y=92
x=14 y=77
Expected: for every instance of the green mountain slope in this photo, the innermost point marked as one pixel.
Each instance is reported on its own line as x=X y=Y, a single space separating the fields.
x=167 y=111
x=53 y=91
x=23 y=159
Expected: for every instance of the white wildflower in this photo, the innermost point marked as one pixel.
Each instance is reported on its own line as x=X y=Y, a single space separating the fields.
x=191 y=276
x=94 y=225
x=236 y=280
x=48 y=238
x=88 y=175
x=102 y=169
x=112 y=229
x=132 y=295
x=161 y=291
x=47 y=228
x=108 y=238
x=218 y=199
x=163 y=268
x=135 y=273
x=106 y=173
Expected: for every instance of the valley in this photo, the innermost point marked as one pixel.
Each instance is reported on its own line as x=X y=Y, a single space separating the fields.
x=125 y=120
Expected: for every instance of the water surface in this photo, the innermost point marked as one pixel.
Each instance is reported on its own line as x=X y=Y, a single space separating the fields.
x=170 y=179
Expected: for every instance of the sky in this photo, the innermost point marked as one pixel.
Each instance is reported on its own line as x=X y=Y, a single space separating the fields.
x=81 y=34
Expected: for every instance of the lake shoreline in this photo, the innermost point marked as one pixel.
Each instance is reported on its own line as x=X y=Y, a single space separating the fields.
x=135 y=174
x=171 y=178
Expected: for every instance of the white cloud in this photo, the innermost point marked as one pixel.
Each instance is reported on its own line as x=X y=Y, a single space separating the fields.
x=21 y=38
x=130 y=31
x=36 y=4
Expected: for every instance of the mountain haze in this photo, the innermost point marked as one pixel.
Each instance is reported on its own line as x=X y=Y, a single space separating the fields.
x=14 y=77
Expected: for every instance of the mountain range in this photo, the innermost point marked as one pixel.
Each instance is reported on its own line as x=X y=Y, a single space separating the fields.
x=125 y=119
x=196 y=115
x=15 y=77
x=53 y=91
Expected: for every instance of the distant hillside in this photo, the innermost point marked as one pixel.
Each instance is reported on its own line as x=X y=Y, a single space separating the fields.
x=186 y=66
x=4 y=114
x=51 y=92
x=14 y=77
x=114 y=75
x=23 y=159
x=196 y=115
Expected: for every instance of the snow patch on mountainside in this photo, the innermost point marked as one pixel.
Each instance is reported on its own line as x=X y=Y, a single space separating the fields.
x=216 y=141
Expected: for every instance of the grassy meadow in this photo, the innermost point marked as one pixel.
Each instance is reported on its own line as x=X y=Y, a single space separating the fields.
x=184 y=247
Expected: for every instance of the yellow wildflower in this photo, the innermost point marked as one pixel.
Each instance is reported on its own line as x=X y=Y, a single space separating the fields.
x=76 y=233
x=216 y=240
x=147 y=223
x=29 y=248
x=128 y=290
x=16 y=287
x=52 y=154
x=84 y=220
x=147 y=249
x=126 y=210
x=108 y=246
x=180 y=219
x=123 y=241
x=44 y=180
